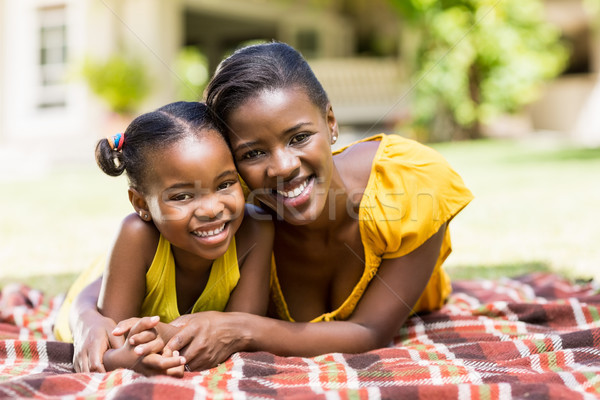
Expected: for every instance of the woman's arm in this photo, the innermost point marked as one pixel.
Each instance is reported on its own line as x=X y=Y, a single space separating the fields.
x=210 y=338
x=254 y=240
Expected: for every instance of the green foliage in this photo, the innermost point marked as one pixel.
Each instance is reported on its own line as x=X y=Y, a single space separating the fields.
x=122 y=82
x=475 y=59
x=191 y=67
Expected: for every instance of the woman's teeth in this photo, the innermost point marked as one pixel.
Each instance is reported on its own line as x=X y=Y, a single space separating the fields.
x=295 y=192
x=210 y=233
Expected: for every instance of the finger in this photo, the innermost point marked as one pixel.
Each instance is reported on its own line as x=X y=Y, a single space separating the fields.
x=144 y=324
x=81 y=364
x=124 y=326
x=142 y=337
x=116 y=342
x=154 y=346
x=176 y=372
x=158 y=362
x=180 y=340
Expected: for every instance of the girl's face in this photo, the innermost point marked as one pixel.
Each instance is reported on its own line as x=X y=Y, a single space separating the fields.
x=281 y=142
x=194 y=196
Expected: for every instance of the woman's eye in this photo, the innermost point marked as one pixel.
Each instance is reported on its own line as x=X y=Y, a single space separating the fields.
x=181 y=197
x=299 y=138
x=251 y=154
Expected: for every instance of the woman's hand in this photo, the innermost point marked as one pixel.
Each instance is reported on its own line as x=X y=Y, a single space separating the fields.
x=208 y=338
x=91 y=339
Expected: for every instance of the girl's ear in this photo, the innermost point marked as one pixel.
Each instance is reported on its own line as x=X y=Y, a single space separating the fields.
x=139 y=204
x=332 y=124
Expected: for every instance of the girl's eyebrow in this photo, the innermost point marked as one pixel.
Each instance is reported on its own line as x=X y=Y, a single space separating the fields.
x=226 y=173
x=286 y=132
x=180 y=185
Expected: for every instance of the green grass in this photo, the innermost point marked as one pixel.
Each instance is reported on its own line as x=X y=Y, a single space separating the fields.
x=536 y=203
x=536 y=207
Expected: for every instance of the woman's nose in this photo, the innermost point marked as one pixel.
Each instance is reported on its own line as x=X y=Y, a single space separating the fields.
x=283 y=163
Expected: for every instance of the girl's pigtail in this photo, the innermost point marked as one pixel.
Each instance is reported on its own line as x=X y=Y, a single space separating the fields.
x=109 y=155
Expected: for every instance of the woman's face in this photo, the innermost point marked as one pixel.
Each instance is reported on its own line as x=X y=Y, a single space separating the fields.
x=281 y=142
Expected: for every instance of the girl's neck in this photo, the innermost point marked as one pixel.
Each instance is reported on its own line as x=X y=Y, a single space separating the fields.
x=189 y=263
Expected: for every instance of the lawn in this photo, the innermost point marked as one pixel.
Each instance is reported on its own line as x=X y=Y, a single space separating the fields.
x=537 y=207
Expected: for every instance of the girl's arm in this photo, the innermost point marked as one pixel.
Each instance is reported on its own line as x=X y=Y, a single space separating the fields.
x=124 y=280
x=210 y=338
x=254 y=241
x=91 y=331
x=118 y=295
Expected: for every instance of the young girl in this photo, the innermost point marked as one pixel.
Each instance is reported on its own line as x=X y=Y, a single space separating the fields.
x=188 y=247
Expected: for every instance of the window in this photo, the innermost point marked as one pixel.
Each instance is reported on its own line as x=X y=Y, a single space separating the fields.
x=52 y=57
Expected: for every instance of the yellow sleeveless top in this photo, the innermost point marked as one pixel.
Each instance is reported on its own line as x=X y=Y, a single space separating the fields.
x=411 y=192
x=161 y=291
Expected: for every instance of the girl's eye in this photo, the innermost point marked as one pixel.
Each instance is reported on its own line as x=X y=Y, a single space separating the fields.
x=226 y=185
x=251 y=154
x=181 y=197
x=299 y=138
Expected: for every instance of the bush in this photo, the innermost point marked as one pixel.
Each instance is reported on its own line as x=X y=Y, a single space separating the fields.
x=122 y=82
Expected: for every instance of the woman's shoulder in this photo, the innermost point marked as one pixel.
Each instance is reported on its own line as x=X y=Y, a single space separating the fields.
x=355 y=161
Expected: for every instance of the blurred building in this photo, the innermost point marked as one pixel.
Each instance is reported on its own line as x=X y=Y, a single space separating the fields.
x=44 y=104
x=352 y=46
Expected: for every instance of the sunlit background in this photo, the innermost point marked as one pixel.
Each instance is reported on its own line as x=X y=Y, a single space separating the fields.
x=507 y=90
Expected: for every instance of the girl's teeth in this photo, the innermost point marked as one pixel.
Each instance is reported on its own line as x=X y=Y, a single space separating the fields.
x=295 y=192
x=211 y=233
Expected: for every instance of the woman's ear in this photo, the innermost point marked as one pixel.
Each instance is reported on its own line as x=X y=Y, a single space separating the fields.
x=139 y=204
x=332 y=124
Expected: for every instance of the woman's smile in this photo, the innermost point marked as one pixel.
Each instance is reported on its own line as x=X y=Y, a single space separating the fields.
x=281 y=143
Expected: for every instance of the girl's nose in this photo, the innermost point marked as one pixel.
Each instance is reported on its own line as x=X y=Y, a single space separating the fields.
x=210 y=207
x=282 y=164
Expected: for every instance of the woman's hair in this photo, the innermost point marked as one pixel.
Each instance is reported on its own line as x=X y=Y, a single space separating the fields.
x=258 y=68
x=149 y=133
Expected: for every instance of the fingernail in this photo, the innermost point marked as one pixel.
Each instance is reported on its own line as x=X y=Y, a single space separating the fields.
x=139 y=349
x=131 y=341
x=175 y=353
x=155 y=318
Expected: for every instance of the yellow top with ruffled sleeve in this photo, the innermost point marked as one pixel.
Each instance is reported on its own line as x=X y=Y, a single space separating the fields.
x=411 y=192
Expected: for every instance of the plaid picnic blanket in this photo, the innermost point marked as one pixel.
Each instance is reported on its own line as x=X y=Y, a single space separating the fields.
x=535 y=336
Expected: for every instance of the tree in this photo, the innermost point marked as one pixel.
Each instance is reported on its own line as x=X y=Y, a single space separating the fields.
x=475 y=59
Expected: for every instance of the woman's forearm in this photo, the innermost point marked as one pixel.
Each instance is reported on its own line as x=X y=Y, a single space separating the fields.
x=306 y=339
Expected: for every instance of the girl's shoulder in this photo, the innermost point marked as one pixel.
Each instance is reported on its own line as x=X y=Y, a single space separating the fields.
x=139 y=235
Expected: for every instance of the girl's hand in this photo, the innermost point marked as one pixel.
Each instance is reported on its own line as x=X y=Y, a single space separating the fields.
x=143 y=337
x=207 y=339
x=161 y=364
x=92 y=337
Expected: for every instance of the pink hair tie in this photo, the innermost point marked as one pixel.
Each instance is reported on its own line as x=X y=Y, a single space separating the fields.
x=116 y=141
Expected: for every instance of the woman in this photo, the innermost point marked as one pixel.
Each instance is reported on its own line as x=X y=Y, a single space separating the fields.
x=360 y=235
